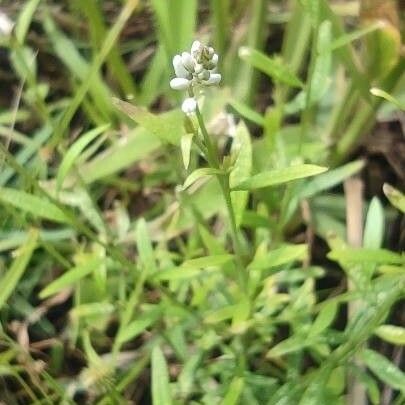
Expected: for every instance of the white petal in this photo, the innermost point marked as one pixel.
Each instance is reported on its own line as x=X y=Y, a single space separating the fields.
x=214 y=59
x=215 y=78
x=188 y=61
x=189 y=105
x=179 y=69
x=195 y=47
x=178 y=83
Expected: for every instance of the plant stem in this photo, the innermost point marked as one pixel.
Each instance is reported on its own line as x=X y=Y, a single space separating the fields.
x=223 y=179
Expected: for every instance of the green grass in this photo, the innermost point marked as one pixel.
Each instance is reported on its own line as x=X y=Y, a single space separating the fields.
x=156 y=258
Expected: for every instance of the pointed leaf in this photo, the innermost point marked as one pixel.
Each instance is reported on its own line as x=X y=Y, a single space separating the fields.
x=279 y=176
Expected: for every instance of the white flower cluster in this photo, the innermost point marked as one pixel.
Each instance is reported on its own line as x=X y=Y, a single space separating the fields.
x=195 y=68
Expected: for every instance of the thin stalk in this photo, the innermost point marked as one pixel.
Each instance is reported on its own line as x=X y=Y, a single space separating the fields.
x=223 y=179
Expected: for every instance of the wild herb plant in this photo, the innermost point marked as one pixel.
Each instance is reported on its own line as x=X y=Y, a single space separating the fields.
x=207 y=254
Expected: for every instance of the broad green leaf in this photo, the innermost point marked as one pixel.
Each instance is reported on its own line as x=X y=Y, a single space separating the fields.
x=242 y=148
x=397 y=199
x=137 y=326
x=392 y=334
x=161 y=394
x=71 y=277
x=198 y=174
x=234 y=392
x=167 y=127
x=324 y=319
x=280 y=176
x=330 y=179
x=279 y=257
x=73 y=153
x=32 y=204
x=12 y=276
x=358 y=255
x=273 y=67
x=386 y=371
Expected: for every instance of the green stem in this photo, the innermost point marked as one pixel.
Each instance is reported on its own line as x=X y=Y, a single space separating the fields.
x=223 y=179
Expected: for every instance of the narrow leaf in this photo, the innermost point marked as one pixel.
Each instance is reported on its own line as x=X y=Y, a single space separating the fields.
x=160 y=379
x=242 y=148
x=354 y=255
x=386 y=371
x=397 y=199
x=11 y=278
x=168 y=127
x=392 y=334
x=280 y=176
x=70 y=277
x=198 y=174
x=73 y=153
x=273 y=67
x=39 y=207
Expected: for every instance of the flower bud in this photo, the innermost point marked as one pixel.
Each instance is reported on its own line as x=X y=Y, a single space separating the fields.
x=204 y=75
x=214 y=78
x=179 y=68
x=188 y=61
x=196 y=47
x=198 y=68
x=189 y=105
x=179 y=83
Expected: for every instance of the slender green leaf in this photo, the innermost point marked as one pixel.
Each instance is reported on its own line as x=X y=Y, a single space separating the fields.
x=273 y=67
x=32 y=204
x=160 y=379
x=185 y=143
x=25 y=19
x=279 y=257
x=242 y=148
x=279 y=176
x=10 y=279
x=137 y=326
x=386 y=371
x=166 y=127
x=198 y=174
x=246 y=112
x=354 y=255
x=325 y=318
x=397 y=199
x=234 y=392
x=392 y=334
x=374 y=227
x=73 y=153
x=71 y=277
x=330 y=179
